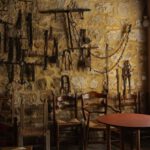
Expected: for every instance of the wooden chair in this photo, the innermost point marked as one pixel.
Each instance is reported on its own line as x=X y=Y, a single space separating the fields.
x=68 y=127
x=7 y=109
x=34 y=123
x=8 y=123
x=93 y=105
x=130 y=102
x=8 y=134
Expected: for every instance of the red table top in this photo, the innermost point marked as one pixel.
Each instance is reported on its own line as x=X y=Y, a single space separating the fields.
x=126 y=120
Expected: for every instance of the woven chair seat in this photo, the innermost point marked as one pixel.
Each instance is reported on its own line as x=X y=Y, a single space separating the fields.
x=96 y=125
x=69 y=122
x=33 y=132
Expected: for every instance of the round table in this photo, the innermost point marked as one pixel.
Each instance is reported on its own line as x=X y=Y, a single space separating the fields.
x=125 y=120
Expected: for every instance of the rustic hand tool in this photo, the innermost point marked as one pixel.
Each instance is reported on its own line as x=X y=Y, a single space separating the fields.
x=66 y=60
x=30 y=72
x=10 y=71
x=10 y=49
x=18 y=49
x=84 y=60
x=29 y=29
x=19 y=20
x=45 y=48
x=126 y=76
x=5 y=36
x=65 y=85
x=54 y=57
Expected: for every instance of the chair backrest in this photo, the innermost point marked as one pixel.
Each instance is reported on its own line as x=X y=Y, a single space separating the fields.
x=94 y=102
x=7 y=108
x=34 y=116
x=65 y=107
x=131 y=100
x=51 y=110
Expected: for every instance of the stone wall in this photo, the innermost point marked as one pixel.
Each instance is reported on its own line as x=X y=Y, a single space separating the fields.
x=104 y=23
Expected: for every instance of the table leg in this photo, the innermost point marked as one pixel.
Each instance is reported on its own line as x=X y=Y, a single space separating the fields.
x=121 y=139
x=108 y=137
x=138 y=139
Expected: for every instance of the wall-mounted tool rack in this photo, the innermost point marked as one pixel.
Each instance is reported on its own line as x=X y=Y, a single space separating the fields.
x=67 y=12
x=12 y=46
x=69 y=35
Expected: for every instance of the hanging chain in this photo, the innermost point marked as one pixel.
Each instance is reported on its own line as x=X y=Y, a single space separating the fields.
x=119 y=47
x=111 y=68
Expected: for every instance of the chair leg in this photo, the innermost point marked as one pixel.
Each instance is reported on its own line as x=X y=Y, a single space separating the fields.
x=81 y=142
x=131 y=141
x=48 y=140
x=83 y=133
x=104 y=136
x=86 y=137
x=57 y=137
x=20 y=139
x=122 y=146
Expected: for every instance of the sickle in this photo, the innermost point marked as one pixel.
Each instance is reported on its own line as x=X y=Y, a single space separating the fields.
x=66 y=59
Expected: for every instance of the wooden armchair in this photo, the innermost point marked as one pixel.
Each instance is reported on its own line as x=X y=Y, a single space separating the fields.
x=34 y=123
x=68 y=127
x=93 y=105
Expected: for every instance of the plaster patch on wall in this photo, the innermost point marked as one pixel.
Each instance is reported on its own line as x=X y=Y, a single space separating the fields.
x=112 y=73
x=112 y=21
x=93 y=34
x=114 y=35
x=46 y=4
x=78 y=83
x=139 y=84
x=94 y=84
x=114 y=58
x=123 y=9
x=128 y=56
x=107 y=8
x=99 y=6
x=104 y=7
x=138 y=23
x=113 y=84
x=96 y=19
x=137 y=35
x=133 y=84
x=144 y=78
x=62 y=3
